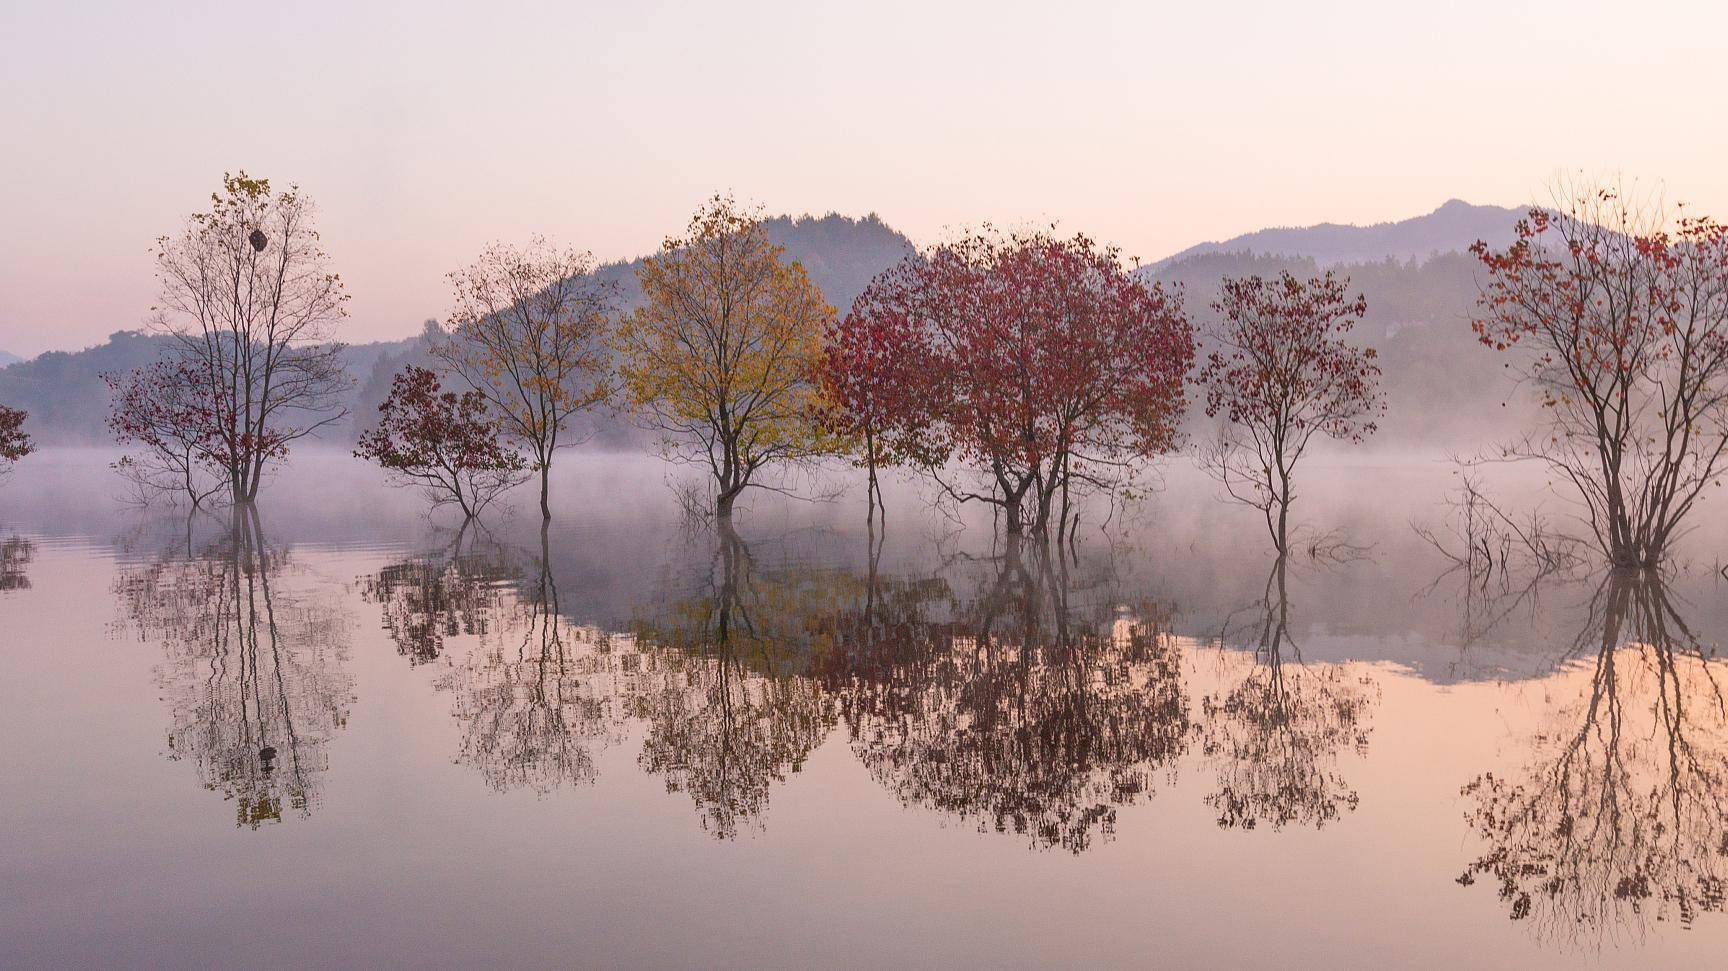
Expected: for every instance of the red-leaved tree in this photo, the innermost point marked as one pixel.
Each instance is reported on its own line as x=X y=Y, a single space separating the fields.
x=1038 y=364
x=15 y=443
x=170 y=415
x=451 y=445
x=1620 y=317
x=1284 y=371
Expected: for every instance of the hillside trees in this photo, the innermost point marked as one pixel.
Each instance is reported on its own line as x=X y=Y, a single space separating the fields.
x=723 y=356
x=1619 y=317
x=1284 y=371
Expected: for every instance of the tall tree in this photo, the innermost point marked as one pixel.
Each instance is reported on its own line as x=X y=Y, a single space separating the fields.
x=251 y=301
x=529 y=333
x=723 y=357
x=15 y=443
x=447 y=443
x=1620 y=317
x=1284 y=371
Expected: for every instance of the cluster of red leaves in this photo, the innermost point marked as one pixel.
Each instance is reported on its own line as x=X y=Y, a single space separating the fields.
x=14 y=441
x=1604 y=298
x=1285 y=367
x=1013 y=354
x=165 y=407
x=424 y=430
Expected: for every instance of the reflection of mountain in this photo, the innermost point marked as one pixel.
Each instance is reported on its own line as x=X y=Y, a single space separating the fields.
x=252 y=669
x=16 y=552
x=1620 y=812
x=1274 y=738
x=1025 y=717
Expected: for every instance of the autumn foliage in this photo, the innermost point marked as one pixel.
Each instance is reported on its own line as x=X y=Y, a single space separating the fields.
x=1035 y=362
x=15 y=443
x=167 y=411
x=448 y=443
x=1283 y=372
x=529 y=335
x=723 y=358
x=1620 y=316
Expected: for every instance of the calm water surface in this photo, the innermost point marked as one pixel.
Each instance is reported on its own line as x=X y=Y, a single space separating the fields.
x=342 y=733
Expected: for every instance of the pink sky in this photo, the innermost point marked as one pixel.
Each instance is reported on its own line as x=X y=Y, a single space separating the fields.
x=425 y=130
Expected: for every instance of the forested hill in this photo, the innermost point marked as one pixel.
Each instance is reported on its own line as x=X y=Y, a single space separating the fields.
x=68 y=401
x=1452 y=228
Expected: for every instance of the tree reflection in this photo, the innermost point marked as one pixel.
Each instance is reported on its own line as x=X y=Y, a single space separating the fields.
x=1275 y=737
x=717 y=683
x=427 y=599
x=1022 y=717
x=533 y=699
x=16 y=552
x=1619 y=814
x=252 y=668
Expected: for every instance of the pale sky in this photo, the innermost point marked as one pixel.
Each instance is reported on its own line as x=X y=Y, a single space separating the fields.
x=425 y=130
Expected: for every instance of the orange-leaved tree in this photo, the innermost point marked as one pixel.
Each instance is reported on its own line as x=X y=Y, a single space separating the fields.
x=723 y=356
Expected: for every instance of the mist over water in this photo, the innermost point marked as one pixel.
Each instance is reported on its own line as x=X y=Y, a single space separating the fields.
x=341 y=731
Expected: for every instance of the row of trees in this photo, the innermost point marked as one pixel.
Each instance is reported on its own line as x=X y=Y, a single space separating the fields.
x=1011 y=369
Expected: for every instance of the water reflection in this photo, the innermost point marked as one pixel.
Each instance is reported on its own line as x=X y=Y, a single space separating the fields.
x=253 y=668
x=1026 y=714
x=716 y=682
x=16 y=552
x=1273 y=738
x=533 y=699
x=453 y=592
x=1620 y=813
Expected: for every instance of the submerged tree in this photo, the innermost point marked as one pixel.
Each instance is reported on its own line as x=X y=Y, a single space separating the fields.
x=251 y=302
x=15 y=443
x=427 y=599
x=169 y=413
x=1284 y=372
x=724 y=355
x=529 y=334
x=1038 y=362
x=1621 y=323
x=1620 y=813
x=446 y=443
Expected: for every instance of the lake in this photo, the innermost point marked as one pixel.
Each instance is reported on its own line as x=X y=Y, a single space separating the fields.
x=342 y=732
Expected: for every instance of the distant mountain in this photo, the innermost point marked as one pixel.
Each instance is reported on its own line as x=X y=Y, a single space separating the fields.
x=6 y=359
x=1451 y=228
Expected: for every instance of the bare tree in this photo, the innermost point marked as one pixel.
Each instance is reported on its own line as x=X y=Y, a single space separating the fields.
x=1620 y=314
x=252 y=302
x=529 y=333
x=1283 y=373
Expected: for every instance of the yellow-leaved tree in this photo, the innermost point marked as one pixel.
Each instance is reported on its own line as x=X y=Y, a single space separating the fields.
x=529 y=333
x=722 y=356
